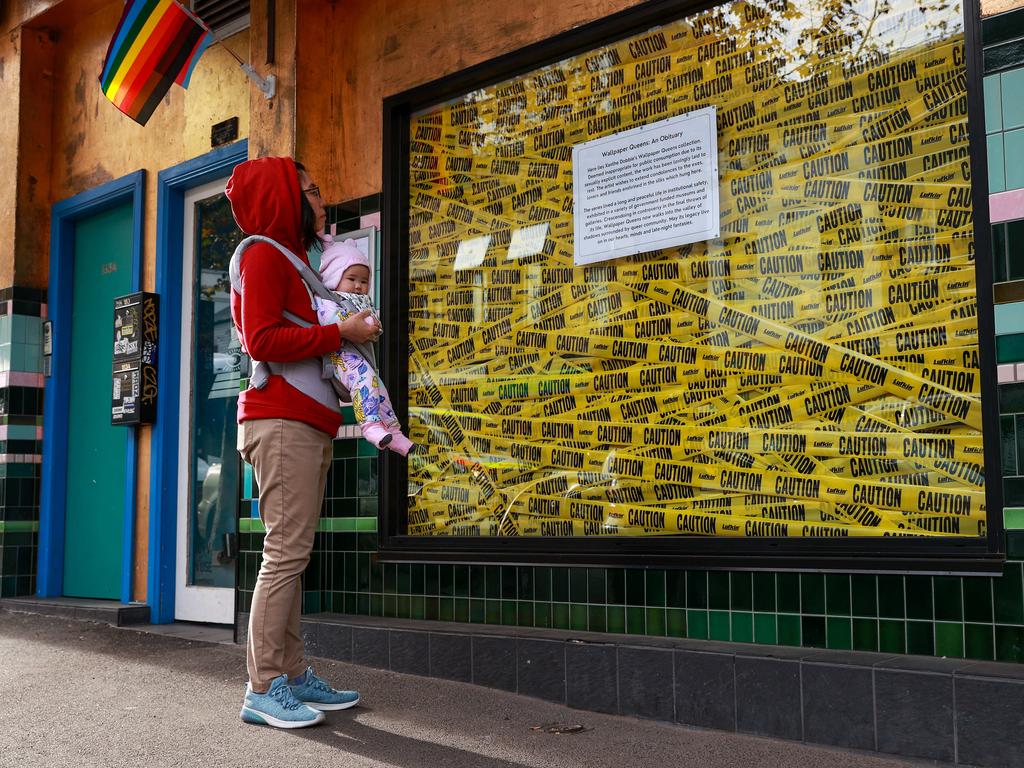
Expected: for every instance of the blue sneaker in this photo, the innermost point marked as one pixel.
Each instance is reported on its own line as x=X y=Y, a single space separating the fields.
x=316 y=693
x=278 y=707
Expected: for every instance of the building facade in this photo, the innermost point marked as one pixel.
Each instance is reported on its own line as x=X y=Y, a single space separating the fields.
x=165 y=515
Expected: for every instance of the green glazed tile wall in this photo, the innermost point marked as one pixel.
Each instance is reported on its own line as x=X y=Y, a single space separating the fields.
x=21 y=363
x=973 y=617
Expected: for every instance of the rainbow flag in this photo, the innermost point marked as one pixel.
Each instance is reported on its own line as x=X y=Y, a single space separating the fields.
x=157 y=42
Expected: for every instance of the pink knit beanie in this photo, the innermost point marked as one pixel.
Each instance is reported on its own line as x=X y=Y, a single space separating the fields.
x=338 y=257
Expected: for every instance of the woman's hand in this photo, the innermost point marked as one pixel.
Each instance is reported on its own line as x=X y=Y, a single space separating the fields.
x=358 y=329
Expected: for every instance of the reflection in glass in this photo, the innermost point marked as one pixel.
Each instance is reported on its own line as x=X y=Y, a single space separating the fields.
x=217 y=357
x=811 y=373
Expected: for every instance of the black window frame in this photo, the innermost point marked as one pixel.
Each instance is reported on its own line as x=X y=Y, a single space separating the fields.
x=892 y=554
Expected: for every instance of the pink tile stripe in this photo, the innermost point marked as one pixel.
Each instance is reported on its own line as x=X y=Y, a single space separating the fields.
x=21 y=379
x=1006 y=206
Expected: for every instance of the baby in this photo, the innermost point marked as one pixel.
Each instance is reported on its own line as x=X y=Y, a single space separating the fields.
x=346 y=271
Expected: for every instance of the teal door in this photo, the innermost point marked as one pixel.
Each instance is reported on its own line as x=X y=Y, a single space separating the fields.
x=94 y=518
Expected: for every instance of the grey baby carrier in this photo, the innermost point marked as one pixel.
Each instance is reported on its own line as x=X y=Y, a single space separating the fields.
x=313 y=376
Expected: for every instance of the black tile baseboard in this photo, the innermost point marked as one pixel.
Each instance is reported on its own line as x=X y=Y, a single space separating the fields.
x=953 y=710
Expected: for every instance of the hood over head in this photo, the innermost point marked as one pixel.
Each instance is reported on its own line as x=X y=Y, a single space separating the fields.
x=264 y=197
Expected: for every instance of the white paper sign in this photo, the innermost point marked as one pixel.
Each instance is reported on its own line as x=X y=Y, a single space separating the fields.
x=647 y=188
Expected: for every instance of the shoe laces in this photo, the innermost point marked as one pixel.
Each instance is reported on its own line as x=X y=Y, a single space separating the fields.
x=283 y=696
x=317 y=684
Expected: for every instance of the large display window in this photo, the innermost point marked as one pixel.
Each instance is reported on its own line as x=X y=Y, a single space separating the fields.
x=699 y=285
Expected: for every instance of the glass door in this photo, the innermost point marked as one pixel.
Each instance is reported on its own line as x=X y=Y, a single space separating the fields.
x=211 y=366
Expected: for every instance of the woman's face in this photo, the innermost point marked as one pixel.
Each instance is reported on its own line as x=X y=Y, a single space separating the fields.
x=312 y=193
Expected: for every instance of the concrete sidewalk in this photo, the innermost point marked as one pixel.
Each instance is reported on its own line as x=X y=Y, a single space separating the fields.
x=75 y=693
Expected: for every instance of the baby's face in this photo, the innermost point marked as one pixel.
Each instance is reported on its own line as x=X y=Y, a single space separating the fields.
x=355 y=280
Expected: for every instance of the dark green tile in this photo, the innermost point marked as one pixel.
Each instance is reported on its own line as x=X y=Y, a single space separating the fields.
x=461 y=576
x=616 y=619
x=446 y=609
x=949 y=639
x=978 y=599
x=597 y=618
x=676 y=622
x=462 y=609
x=764 y=594
x=635 y=581
x=892 y=636
x=542 y=615
x=789 y=629
x=560 y=615
x=813 y=631
x=891 y=598
x=864 y=590
x=492 y=611
x=697 y=624
x=578 y=585
x=416 y=579
x=949 y=601
x=837 y=594
x=524 y=586
x=921 y=638
x=979 y=641
x=718 y=590
x=741 y=597
x=417 y=609
x=788 y=592
x=1009 y=595
x=431 y=579
x=812 y=595
x=719 y=626
x=524 y=613
x=656 y=621
x=391 y=606
x=742 y=627
x=839 y=633
x=675 y=588
x=493 y=576
x=865 y=634
x=478 y=611
x=1009 y=643
x=1015 y=545
x=509 y=613
x=477 y=581
x=542 y=584
x=919 y=599
x=597 y=591
x=655 y=580
x=403 y=581
x=560 y=585
x=635 y=620
x=764 y=628
x=616 y=583
x=431 y=608
x=509 y=582
x=390 y=578
x=696 y=589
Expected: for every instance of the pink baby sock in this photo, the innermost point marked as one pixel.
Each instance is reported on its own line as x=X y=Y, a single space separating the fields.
x=374 y=432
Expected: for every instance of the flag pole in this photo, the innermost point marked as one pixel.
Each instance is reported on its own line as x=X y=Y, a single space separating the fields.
x=267 y=85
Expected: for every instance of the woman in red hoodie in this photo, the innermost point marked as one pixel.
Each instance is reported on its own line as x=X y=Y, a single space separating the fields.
x=284 y=433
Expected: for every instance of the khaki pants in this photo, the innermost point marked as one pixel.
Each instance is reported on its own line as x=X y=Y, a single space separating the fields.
x=290 y=461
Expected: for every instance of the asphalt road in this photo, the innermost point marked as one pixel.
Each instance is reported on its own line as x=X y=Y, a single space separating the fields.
x=77 y=693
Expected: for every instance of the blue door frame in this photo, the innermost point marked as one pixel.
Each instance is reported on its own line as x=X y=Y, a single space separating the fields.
x=172 y=184
x=56 y=396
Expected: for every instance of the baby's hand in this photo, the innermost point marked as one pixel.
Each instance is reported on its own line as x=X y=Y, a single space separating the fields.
x=360 y=328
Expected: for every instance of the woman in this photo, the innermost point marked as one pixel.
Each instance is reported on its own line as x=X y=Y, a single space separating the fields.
x=284 y=433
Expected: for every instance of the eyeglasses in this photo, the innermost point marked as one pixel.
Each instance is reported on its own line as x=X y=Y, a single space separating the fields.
x=314 y=191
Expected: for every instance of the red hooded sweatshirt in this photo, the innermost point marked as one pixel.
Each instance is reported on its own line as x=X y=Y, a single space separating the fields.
x=264 y=197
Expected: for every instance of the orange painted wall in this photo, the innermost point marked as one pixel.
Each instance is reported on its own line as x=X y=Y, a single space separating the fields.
x=92 y=142
x=353 y=54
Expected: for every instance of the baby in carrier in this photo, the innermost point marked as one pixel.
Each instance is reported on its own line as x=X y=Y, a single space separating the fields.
x=346 y=272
